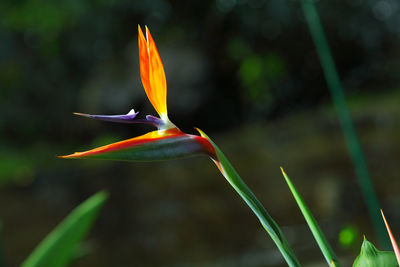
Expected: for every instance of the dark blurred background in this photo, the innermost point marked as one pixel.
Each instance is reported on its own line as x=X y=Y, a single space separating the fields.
x=244 y=71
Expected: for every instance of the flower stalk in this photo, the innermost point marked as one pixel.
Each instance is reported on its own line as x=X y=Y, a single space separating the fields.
x=255 y=205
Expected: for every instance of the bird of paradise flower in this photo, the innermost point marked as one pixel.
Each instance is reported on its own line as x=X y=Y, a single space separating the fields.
x=168 y=142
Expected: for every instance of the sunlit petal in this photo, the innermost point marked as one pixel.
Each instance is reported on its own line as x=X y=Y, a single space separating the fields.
x=152 y=73
x=144 y=62
x=157 y=78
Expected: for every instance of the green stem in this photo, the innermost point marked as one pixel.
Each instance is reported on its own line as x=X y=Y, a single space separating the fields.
x=346 y=123
x=251 y=200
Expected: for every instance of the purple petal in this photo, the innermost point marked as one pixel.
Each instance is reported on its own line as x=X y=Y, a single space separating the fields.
x=154 y=120
x=127 y=118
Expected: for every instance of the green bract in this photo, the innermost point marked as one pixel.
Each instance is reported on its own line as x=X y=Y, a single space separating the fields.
x=372 y=257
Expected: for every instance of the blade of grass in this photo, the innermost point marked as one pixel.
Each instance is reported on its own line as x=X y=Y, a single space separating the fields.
x=57 y=248
x=319 y=236
x=2 y=255
x=339 y=100
x=392 y=239
x=251 y=200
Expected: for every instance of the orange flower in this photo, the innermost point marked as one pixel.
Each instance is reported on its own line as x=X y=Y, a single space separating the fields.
x=168 y=141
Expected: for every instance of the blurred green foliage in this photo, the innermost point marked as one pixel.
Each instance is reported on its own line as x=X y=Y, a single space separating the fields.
x=2 y=255
x=348 y=236
x=14 y=167
x=257 y=73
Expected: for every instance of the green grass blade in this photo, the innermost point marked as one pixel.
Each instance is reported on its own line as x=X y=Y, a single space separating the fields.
x=2 y=255
x=339 y=100
x=319 y=236
x=58 y=247
x=251 y=200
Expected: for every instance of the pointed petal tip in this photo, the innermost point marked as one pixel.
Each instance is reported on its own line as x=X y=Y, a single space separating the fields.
x=392 y=239
x=132 y=112
x=81 y=114
x=202 y=134
x=70 y=156
x=140 y=34
x=147 y=33
x=140 y=30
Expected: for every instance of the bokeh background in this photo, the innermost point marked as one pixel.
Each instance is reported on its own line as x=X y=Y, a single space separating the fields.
x=244 y=71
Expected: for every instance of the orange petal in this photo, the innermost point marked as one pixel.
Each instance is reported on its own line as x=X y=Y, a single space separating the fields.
x=152 y=73
x=144 y=61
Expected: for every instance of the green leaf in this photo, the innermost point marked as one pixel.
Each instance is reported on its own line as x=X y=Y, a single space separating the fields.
x=371 y=257
x=251 y=200
x=346 y=122
x=57 y=248
x=319 y=236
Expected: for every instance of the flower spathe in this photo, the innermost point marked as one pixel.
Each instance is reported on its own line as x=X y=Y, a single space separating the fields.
x=168 y=142
x=153 y=146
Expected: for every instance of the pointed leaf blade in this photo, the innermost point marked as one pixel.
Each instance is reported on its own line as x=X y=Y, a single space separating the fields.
x=57 y=248
x=319 y=236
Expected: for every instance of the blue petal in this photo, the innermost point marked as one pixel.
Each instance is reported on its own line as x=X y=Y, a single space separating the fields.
x=126 y=118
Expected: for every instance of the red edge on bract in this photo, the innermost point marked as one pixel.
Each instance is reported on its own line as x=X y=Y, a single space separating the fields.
x=135 y=141
x=207 y=146
x=143 y=139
